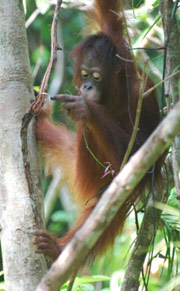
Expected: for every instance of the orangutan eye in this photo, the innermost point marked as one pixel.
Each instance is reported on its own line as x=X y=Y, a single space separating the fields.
x=97 y=76
x=84 y=74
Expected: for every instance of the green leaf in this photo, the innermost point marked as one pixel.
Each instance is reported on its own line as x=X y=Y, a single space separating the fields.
x=88 y=279
x=149 y=29
x=172 y=221
x=179 y=87
x=172 y=199
x=85 y=287
x=2 y=286
x=116 y=280
x=174 y=282
x=63 y=216
x=155 y=4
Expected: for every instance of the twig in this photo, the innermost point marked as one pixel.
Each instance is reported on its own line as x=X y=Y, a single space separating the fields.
x=28 y=116
x=71 y=282
x=129 y=41
x=51 y=194
x=37 y=104
x=140 y=99
x=124 y=59
x=148 y=48
x=38 y=63
x=90 y=151
x=138 y=114
x=34 y=109
x=142 y=95
x=149 y=91
x=144 y=239
x=32 y=17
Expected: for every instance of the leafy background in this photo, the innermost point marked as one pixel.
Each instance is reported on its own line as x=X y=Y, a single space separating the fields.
x=145 y=29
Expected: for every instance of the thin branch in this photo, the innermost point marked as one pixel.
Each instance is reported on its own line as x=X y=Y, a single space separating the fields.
x=141 y=96
x=37 y=104
x=129 y=40
x=176 y=171
x=137 y=120
x=146 y=233
x=111 y=201
x=32 y=17
x=148 y=48
x=52 y=194
x=24 y=131
x=149 y=91
x=71 y=282
x=144 y=240
x=124 y=59
x=90 y=151
x=38 y=63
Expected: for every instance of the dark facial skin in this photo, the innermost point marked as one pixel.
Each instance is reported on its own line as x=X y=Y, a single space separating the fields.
x=92 y=79
x=91 y=89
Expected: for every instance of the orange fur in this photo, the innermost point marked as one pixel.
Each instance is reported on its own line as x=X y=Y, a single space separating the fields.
x=108 y=127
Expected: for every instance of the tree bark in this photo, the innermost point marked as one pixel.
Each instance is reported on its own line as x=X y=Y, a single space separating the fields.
x=172 y=46
x=20 y=205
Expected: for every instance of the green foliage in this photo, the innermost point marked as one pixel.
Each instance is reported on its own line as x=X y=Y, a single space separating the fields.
x=85 y=283
x=136 y=3
x=156 y=4
x=164 y=267
x=154 y=23
x=59 y=221
x=2 y=285
x=113 y=264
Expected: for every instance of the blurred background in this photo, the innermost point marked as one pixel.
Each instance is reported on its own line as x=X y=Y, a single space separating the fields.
x=145 y=29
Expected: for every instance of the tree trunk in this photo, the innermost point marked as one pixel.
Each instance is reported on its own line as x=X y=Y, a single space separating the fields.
x=145 y=235
x=20 y=204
